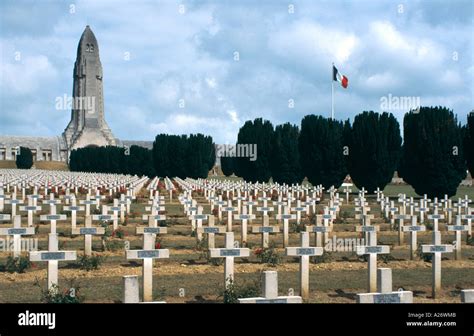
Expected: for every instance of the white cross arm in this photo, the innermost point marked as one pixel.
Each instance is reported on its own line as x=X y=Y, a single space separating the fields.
x=402 y=216
x=265 y=229
x=88 y=231
x=198 y=217
x=298 y=209
x=437 y=248
x=229 y=252
x=148 y=254
x=47 y=256
x=212 y=229
x=317 y=228
x=435 y=216
x=52 y=217
x=413 y=228
x=304 y=251
x=367 y=228
x=51 y=202
x=244 y=217
x=17 y=231
x=458 y=227
x=360 y=216
x=154 y=230
x=103 y=217
x=380 y=249
x=73 y=208
x=265 y=208
x=286 y=216
x=30 y=208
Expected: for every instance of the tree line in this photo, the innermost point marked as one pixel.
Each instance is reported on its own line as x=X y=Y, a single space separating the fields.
x=171 y=155
x=433 y=158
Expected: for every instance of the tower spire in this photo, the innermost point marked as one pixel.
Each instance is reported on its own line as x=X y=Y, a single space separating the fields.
x=88 y=125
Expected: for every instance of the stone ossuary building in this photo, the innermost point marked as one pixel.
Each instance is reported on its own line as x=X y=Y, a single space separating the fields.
x=87 y=126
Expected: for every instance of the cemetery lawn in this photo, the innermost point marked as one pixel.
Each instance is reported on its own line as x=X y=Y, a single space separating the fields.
x=188 y=276
x=334 y=282
x=335 y=279
x=45 y=165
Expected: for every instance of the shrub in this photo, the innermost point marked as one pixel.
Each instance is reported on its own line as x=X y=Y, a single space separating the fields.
x=89 y=263
x=119 y=233
x=268 y=255
x=56 y=295
x=17 y=264
x=24 y=159
x=113 y=245
x=470 y=240
x=324 y=258
x=234 y=292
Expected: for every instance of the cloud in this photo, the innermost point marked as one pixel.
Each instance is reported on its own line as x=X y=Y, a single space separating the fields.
x=188 y=56
x=25 y=74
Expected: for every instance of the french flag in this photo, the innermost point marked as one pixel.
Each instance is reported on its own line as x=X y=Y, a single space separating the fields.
x=336 y=76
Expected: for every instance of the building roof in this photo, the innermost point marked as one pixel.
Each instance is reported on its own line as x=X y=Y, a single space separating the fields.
x=54 y=142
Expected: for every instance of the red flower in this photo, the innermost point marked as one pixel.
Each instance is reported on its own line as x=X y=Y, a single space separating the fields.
x=258 y=251
x=157 y=246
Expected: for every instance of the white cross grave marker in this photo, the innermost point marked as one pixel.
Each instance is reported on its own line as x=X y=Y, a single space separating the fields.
x=436 y=249
x=53 y=256
x=304 y=252
x=229 y=253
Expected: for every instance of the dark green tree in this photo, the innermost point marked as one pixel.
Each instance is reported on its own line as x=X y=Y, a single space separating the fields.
x=259 y=133
x=227 y=165
x=24 y=160
x=199 y=153
x=432 y=156
x=374 y=150
x=112 y=159
x=139 y=161
x=346 y=135
x=161 y=155
x=321 y=151
x=285 y=159
x=469 y=143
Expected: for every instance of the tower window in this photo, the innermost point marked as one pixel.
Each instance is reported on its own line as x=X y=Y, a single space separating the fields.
x=87 y=47
x=91 y=48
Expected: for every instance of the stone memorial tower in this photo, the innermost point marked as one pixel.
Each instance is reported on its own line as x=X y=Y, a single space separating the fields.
x=87 y=126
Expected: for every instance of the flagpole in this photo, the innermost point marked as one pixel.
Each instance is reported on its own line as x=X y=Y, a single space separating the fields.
x=332 y=91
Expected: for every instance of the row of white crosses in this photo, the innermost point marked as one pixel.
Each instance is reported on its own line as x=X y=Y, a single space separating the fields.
x=436 y=248
x=32 y=206
x=240 y=213
x=232 y=249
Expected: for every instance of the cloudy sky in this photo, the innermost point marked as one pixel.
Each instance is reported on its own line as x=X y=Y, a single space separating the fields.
x=208 y=66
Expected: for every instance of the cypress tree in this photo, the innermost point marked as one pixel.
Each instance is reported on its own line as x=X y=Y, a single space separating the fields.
x=321 y=153
x=469 y=143
x=227 y=165
x=432 y=160
x=259 y=133
x=285 y=159
x=24 y=160
x=374 y=150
